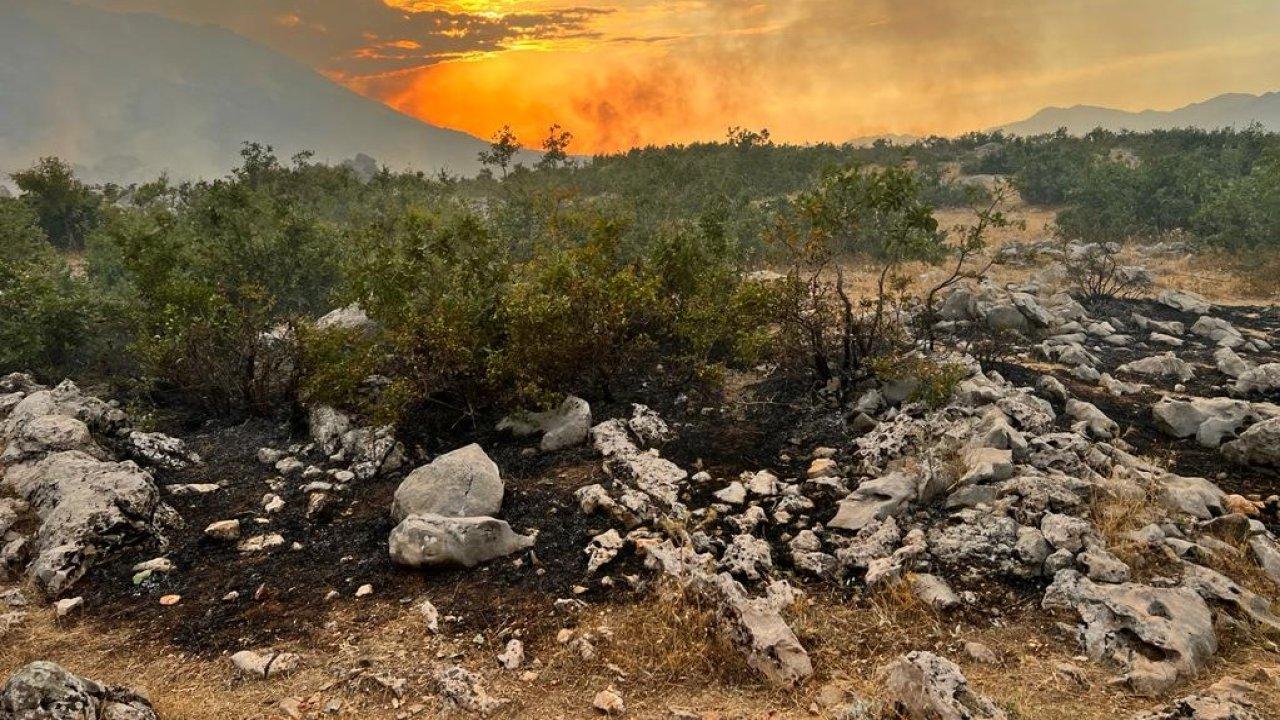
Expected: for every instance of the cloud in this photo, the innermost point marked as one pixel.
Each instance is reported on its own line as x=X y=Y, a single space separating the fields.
x=625 y=72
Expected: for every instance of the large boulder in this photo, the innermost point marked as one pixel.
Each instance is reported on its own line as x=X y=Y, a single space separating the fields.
x=1259 y=380
x=923 y=686
x=1162 y=365
x=461 y=483
x=46 y=691
x=85 y=506
x=437 y=541
x=1130 y=623
x=1259 y=445
x=46 y=434
x=1185 y=301
x=65 y=399
x=1219 y=331
x=1209 y=420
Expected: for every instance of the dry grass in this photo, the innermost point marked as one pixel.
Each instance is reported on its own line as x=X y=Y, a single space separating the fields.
x=661 y=653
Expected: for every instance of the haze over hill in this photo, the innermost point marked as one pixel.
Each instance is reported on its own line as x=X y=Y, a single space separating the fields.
x=1237 y=110
x=75 y=83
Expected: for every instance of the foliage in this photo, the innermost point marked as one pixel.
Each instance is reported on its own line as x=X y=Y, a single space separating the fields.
x=870 y=215
x=502 y=149
x=45 y=314
x=555 y=147
x=67 y=209
x=1095 y=273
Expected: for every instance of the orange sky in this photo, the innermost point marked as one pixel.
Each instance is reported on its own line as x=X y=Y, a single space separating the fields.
x=620 y=73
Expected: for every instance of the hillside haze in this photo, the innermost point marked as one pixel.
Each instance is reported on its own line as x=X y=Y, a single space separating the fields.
x=127 y=96
x=1237 y=110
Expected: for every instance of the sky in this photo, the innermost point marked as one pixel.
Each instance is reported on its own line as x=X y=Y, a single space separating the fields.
x=624 y=73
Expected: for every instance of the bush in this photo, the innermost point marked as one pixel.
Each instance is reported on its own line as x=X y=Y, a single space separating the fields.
x=872 y=216
x=218 y=273
x=45 y=313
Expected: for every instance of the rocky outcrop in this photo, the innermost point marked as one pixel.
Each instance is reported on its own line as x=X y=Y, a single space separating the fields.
x=923 y=686
x=46 y=691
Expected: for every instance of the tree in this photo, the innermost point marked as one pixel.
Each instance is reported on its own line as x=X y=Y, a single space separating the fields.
x=502 y=149
x=66 y=208
x=555 y=147
x=856 y=214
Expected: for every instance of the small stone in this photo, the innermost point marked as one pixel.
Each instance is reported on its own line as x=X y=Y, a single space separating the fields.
x=224 y=530
x=823 y=467
x=364 y=591
x=430 y=616
x=65 y=607
x=981 y=653
x=157 y=565
x=512 y=657
x=609 y=702
x=170 y=600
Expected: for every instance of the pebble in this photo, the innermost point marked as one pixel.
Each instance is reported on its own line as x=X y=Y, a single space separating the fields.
x=609 y=702
x=224 y=530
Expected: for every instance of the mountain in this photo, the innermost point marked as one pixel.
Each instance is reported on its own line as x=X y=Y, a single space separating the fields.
x=125 y=96
x=1236 y=110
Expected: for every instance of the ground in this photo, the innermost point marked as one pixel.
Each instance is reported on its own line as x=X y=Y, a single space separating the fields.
x=654 y=647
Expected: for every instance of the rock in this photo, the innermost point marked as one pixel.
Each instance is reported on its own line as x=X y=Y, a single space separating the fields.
x=1093 y=421
x=609 y=702
x=1006 y=318
x=435 y=540
x=822 y=467
x=260 y=543
x=1210 y=420
x=981 y=653
x=46 y=691
x=1218 y=331
x=565 y=426
x=155 y=565
x=1203 y=706
x=512 y=657
x=986 y=464
x=351 y=318
x=934 y=591
x=460 y=688
x=192 y=489
x=159 y=450
x=1067 y=532
x=1259 y=445
x=1191 y=496
x=747 y=557
x=269 y=456
x=602 y=549
x=86 y=508
x=1259 y=380
x=461 y=483
x=1231 y=364
x=923 y=686
x=1130 y=623
x=649 y=427
x=66 y=399
x=1163 y=365
x=612 y=438
x=1052 y=388
x=266 y=664
x=1101 y=566
x=430 y=616
x=65 y=607
x=223 y=530
x=735 y=493
x=873 y=500
x=1185 y=301
x=47 y=434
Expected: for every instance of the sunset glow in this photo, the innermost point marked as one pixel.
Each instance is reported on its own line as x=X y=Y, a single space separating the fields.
x=620 y=73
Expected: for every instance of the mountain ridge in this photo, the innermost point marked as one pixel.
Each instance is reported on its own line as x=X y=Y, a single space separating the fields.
x=73 y=84
x=1236 y=110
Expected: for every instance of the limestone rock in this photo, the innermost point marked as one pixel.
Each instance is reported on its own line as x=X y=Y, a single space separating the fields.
x=46 y=691
x=461 y=483
x=925 y=686
x=435 y=540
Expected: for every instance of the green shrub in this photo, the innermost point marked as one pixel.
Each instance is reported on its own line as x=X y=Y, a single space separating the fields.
x=45 y=313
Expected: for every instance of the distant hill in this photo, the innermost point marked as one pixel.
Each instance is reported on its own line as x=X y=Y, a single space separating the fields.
x=127 y=96
x=1236 y=110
